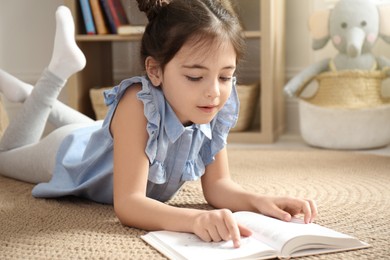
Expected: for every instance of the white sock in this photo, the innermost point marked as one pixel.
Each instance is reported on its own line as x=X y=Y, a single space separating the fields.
x=67 y=58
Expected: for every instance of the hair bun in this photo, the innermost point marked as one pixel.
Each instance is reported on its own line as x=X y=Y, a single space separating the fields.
x=151 y=7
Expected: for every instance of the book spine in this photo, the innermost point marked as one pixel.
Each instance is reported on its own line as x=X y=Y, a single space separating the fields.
x=114 y=14
x=108 y=15
x=120 y=10
x=87 y=16
x=97 y=13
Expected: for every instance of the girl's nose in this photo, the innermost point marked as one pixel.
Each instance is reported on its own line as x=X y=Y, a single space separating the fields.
x=213 y=89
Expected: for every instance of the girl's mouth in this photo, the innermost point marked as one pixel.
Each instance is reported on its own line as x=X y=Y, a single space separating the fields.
x=207 y=109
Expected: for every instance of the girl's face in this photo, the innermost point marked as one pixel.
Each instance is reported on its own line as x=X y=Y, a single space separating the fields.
x=197 y=82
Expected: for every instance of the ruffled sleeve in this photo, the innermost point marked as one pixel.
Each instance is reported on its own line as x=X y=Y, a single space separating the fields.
x=151 y=98
x=110 y=95
x=152 y=114
x=153 y=117
x=193 y=170
x=158 y=171
x=221 y=125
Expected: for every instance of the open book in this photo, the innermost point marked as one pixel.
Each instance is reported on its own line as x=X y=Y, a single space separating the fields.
x=271 y=238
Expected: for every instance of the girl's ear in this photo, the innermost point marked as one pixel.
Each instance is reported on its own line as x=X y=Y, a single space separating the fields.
x=153 y=69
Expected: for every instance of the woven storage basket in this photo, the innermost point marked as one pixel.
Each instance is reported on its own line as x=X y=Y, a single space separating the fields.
x=97 y=100
x=248 y=96
x=349 y=89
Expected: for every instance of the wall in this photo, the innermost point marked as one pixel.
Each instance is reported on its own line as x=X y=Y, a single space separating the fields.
x=26 y=33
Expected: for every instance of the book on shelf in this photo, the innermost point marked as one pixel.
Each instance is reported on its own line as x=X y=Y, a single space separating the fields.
x=108 y=16
x=129 y=29
x=271 y=238
x=118 y=11
x=87 y=17
x=97 y=13
x=115 y=14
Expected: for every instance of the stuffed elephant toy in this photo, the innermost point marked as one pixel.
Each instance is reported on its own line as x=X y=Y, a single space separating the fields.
x=348 y=110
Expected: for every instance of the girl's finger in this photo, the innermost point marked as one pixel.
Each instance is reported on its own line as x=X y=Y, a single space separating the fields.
x=233 y=229
x=214 y=234
x=244 y=231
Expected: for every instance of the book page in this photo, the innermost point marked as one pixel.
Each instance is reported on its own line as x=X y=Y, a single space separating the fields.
x=177 y=245
x=287 y=237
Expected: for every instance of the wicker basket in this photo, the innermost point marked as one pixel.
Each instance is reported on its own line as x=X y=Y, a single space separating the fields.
x=248 y=96
x=349 y=89
x=97 y=100
x=347 y=112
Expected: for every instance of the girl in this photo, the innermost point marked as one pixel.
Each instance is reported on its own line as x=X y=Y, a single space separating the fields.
x=161 y=130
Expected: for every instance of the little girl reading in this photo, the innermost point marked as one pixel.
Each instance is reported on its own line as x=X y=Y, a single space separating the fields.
x=162 y=129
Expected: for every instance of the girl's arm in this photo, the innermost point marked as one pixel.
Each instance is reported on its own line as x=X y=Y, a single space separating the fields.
x=131 y=167
x=222 y=192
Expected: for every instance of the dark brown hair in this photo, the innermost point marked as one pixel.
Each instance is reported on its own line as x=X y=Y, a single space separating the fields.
x=173 y=23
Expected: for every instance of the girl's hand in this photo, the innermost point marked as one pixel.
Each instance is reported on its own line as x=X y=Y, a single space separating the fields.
x=218 y=225
x=285 y=207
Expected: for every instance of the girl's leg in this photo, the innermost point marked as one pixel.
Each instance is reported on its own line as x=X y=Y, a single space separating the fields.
x=67 y=59
x=13 y=89
x=34 y=163
x=28 y=127
x=60 y=114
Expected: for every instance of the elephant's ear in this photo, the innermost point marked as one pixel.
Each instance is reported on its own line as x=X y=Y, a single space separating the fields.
x=319 y=28
x=384 y=28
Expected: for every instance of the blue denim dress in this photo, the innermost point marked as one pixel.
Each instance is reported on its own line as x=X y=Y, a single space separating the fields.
x=84 y=163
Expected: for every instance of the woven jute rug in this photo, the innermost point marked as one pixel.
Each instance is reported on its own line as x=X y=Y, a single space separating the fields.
x=351 y=190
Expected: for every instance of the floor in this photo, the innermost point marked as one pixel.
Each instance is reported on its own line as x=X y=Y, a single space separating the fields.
x=289 y=141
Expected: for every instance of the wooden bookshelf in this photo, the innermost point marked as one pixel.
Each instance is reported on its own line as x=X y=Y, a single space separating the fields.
x=270 y=34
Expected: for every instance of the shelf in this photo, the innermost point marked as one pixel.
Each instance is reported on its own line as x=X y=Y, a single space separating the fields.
x=267 y=37
x=107 y=38
x=137 y=37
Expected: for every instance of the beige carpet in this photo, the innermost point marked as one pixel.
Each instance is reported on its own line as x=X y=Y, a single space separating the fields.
x=352 y=191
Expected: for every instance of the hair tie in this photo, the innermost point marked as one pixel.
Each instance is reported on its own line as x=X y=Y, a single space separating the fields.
x=151 y=7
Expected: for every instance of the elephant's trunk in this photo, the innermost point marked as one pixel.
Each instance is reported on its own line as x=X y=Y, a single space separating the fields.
x=355 y=42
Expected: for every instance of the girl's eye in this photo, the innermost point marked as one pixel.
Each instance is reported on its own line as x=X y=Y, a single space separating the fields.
x=226 y=78
x=193 y=78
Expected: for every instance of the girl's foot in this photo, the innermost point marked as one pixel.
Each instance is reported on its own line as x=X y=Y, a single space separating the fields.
x=12 y=88
x=67 y=58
